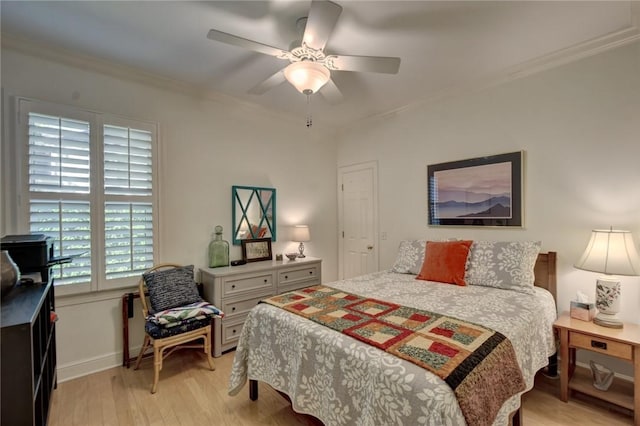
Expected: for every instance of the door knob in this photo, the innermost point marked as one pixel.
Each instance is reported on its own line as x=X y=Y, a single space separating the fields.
x=369 y=247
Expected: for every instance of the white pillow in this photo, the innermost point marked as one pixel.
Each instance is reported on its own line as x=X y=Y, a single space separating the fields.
x=410 y=257
x=503 y=264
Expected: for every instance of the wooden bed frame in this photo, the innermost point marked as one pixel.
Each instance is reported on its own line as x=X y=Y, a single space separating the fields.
x=545 y=277
x=545 y=272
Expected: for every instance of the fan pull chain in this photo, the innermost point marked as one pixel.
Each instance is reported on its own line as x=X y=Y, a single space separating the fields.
x=309 y=118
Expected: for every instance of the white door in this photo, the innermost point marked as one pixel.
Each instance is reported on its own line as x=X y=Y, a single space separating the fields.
x=358 y=219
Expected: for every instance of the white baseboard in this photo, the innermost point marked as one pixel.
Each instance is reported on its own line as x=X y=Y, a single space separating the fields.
x=81 y=368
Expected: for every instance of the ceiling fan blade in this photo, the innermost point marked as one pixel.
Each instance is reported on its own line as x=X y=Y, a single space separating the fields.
x=247 y=44
x=331 y=93
x=322 y=19
x=268 y=84
x=363 y=63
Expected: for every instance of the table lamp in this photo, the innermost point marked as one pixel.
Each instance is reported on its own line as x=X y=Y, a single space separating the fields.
x=610 y=252
x=301 y=235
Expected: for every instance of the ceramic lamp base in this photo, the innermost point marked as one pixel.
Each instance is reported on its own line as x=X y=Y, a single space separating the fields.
x=608 y=301
x=607 y=320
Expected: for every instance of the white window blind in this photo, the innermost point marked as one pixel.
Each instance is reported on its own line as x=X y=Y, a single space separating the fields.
x=58 y=154
x=127 y=161
x=59 y=168
x=90 y=181
x=128 y=172
x=69 y=223
x=128 y=238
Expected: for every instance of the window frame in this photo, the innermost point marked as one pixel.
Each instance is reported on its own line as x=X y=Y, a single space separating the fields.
x=96 y=197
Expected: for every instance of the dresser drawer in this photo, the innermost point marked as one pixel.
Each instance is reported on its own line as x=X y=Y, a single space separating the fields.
x=243 y=284
x=239 y=307
x=301 y=274
x=231 y=329
x=297 y=286
x=599 y=344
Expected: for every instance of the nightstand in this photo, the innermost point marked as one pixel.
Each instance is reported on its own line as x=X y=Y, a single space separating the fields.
x=621 y=343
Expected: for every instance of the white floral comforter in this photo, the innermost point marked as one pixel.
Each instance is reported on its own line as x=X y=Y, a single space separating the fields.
x=343 y=381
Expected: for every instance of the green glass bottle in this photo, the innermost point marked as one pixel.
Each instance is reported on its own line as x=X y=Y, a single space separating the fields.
x=218 y=250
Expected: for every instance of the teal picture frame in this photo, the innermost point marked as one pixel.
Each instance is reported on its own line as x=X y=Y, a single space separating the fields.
x=253 y=213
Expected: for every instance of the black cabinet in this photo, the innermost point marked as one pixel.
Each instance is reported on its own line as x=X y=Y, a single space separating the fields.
x=28 y=350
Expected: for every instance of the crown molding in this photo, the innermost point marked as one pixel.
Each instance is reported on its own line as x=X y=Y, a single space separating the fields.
x=136 y=75
x=552 y=60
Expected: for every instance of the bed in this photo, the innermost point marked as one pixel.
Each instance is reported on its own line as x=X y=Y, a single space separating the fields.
x=341 y=380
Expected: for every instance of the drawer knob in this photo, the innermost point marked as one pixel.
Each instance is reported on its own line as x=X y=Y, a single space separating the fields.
x=265 y=280
x=233 y=331
x=233 y=286
x=599 y=345
x=310 y=272
x=233 y=309
x=286 y=277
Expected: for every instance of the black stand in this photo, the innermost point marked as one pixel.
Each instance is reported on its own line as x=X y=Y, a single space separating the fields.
x=253 y=390
x=552 y=368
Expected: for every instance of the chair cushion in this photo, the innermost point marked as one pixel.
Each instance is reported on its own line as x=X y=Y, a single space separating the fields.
x=171 y=322
x=174 y=316
x=157 y=331
x=173 y=287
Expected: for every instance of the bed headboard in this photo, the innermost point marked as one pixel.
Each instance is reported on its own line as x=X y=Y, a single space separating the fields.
x=545 y=272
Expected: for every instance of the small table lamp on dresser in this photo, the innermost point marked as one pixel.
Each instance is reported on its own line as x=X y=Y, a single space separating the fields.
x=301 y=235
x=610 y=252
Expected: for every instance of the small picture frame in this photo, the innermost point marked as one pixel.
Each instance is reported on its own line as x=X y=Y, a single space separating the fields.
x=256 y=250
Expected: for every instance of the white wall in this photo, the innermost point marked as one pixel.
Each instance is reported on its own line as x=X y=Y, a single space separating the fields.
x=206 y=146
x=579 y=126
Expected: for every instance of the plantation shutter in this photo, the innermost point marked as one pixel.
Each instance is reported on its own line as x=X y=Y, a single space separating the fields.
x=128 y=211
x=59 y=186
x=89 y=178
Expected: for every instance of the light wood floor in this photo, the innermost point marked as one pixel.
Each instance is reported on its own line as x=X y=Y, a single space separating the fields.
x=190 y=394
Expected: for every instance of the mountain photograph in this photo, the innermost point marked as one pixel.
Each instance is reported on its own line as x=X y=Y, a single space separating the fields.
x=482 y=192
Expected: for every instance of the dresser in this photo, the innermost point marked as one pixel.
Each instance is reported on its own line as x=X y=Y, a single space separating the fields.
x=237 y=289
x=28 y=348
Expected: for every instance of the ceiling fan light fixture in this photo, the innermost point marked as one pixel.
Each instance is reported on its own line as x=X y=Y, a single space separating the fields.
x=306 y=76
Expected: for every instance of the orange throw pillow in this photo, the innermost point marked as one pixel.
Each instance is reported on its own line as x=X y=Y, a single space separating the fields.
x=445 y=262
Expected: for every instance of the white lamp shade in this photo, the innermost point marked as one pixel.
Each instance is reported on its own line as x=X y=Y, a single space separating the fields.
x=306 y=76
x=610 y=252
x=301 y=234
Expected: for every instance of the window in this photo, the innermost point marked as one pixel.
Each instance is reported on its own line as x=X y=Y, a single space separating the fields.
x=128 y=210
x=59 y=169
x=90 y=180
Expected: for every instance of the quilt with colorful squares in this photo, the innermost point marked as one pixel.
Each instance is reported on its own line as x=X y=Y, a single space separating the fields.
x=478 y=364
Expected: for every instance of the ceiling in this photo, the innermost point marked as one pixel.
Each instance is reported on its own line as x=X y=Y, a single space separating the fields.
x=444 y=46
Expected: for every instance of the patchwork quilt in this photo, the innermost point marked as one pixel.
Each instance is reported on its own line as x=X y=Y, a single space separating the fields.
x=344 y=381
x=468 y=357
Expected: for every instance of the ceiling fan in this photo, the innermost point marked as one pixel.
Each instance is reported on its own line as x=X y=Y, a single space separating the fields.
x=310 y=67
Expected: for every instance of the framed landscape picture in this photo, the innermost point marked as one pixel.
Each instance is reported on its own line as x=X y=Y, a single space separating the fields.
x=483 y=191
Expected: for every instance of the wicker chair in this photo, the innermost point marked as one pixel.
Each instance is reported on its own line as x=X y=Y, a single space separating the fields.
x=181 y=333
